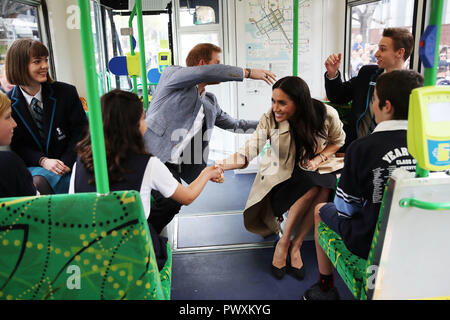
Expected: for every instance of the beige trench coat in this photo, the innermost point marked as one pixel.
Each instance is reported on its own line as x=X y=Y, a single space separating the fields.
x=277 y=165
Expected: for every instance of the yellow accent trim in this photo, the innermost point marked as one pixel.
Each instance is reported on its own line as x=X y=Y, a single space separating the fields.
x=18 y=200
x=435 y=298
x=127 y=200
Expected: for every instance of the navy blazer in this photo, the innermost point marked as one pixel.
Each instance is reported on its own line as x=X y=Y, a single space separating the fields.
x=64 y=122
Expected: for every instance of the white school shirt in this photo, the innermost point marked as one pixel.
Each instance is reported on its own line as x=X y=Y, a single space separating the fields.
x=156 y=177
x=196 y=127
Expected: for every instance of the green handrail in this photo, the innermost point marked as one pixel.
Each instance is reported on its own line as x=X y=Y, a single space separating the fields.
x=430 y=74
x=95 y=115
x=130 y=25
x=295 y=40
x=411 y=202
x=137 y=11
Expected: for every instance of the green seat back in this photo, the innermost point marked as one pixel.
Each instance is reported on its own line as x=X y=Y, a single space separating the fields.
x=343 y=111
x=79 y=246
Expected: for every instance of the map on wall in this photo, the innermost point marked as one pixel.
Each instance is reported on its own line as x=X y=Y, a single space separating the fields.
x=267 y=37
x=264 y=37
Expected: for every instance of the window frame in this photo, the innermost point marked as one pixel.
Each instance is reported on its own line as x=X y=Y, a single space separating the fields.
x=44 y=29
x=417 y=29
x=197 y=29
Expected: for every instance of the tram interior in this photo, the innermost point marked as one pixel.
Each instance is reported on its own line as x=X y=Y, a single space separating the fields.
x=214 y=257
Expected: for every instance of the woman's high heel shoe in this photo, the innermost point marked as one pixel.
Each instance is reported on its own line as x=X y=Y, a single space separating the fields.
x=279 y=272
x=298 y=273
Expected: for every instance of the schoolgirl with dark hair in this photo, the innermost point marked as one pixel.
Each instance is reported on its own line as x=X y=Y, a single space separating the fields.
x=130 y=167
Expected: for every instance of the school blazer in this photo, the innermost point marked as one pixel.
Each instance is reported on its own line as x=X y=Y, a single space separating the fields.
x=64 y=121
x=277 y=165
x=176 y=103
x=355 y=91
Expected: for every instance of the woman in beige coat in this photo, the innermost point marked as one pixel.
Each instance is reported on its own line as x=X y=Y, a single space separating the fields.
x=304 y=135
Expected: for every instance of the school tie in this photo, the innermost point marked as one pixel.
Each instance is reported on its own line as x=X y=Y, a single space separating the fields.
x=39 y=119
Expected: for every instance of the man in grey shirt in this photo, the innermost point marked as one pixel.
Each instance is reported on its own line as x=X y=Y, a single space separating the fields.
x=182 y=114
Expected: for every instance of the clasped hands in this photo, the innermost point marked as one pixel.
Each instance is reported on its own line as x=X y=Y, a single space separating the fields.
x=54 y=165
x=217 y=173
x=313 y=164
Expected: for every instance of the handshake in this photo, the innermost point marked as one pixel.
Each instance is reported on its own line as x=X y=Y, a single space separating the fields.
x=215 y=173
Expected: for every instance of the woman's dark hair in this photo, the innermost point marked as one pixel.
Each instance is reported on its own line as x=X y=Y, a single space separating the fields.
x=309 y=118
x=121 y=113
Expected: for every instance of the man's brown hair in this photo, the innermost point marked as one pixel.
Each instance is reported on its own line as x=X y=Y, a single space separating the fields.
x=18 y=58
x=202 y=51
x=401 y=38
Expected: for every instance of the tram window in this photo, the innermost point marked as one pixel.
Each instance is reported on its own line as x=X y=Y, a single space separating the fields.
x=17 y=20
x=366 y=28
x=188 y=40
x=198 y=22
x=443 y=73
x=198 y=12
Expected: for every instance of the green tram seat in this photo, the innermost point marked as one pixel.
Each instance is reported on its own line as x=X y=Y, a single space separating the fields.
x=353 y=269
x=343 y=111
x=80 y=246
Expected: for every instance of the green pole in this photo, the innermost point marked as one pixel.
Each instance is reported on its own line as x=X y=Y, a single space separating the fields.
x=130 y=25
x=430 y=74
x=95 y=115
x=137 y=11
x=436 y=8
x=140 y=26
x=295 y=40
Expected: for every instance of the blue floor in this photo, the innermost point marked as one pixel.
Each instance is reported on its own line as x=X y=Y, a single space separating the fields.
x=228 y=196
x=239 y=275
x=233 y=275
x=214 y=230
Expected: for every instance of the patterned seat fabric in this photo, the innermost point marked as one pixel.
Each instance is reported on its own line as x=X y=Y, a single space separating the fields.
x=80 y=246
x=351 y=268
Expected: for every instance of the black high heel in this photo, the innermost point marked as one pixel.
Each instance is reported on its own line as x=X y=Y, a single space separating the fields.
x=279 y=272
x=298 y=273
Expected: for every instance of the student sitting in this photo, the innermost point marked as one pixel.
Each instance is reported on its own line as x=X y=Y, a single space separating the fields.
x=49 y=115
x=130 y=167
x=368 y=164
x=15 y=179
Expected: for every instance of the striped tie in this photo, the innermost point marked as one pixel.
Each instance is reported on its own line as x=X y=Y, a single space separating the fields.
x=39 y=119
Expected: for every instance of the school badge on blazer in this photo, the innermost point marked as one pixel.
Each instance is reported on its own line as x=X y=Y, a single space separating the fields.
x=60 y=134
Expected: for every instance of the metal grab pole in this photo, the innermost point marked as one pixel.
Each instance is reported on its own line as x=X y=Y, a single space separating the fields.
x=295 y=40
x=430 y=74
x=436 y=8
x=140 y=25
x=95 y=114
x=130 y=25
x=137 y=11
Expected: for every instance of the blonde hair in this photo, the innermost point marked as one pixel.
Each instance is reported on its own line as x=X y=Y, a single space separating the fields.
x=5 y=103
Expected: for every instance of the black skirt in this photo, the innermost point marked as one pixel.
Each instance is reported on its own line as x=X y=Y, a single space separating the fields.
x=284 y=195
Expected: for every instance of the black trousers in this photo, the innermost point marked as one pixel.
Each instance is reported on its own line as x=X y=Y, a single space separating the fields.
x=164 y=209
